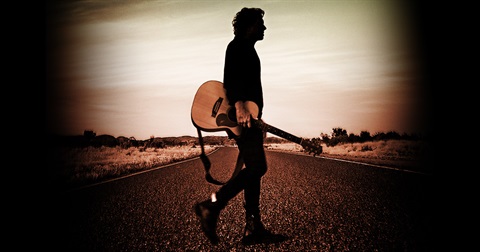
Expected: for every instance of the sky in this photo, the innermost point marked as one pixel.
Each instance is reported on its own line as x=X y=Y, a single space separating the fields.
x=132 y=68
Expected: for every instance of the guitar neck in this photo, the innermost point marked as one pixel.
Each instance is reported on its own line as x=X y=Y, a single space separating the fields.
x=279 y=132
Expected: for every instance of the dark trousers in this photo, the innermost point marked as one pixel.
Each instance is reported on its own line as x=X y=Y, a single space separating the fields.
x=250 y=145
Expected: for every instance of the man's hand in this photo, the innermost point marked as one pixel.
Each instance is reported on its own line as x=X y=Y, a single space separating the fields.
x=243 y=115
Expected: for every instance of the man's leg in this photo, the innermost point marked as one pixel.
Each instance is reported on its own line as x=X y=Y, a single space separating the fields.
x=255 y=161
x=209 y=210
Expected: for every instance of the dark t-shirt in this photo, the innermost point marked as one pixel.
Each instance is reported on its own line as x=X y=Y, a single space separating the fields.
x=241 y=76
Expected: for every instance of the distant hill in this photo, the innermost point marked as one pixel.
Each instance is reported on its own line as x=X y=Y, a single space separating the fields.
x=91 y=139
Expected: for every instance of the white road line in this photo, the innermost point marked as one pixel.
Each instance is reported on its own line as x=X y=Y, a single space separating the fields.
x=354 y=162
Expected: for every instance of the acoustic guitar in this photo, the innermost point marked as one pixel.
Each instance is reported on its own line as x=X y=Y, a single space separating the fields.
x=211 y=112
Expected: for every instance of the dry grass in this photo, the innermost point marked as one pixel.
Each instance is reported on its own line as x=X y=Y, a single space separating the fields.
x=391 y=149
x=78 y=166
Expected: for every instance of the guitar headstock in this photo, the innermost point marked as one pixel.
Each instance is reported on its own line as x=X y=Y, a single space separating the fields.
x=312 y=147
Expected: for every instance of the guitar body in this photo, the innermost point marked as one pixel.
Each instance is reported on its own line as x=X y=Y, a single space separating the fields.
x=211 y=111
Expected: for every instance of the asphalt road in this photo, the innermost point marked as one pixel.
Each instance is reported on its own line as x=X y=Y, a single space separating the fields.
x=319 y=204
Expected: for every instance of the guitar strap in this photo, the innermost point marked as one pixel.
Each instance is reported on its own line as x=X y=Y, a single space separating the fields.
x=207 y=164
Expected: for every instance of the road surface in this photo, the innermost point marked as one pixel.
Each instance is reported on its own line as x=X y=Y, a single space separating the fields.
x=319 y=204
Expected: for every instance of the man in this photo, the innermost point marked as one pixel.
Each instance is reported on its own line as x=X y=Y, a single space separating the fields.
x=242 y=82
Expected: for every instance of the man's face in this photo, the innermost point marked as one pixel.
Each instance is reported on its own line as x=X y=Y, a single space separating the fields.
x=256 y=32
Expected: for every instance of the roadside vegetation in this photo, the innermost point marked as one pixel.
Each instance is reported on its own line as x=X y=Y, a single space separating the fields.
x=75 y=161
x=77 y=166
x=401 y=154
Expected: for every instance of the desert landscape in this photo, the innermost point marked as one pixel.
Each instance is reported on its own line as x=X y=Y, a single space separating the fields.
x=77 y=164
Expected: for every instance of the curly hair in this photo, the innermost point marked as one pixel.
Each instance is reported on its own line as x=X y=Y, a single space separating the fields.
x=246 y=18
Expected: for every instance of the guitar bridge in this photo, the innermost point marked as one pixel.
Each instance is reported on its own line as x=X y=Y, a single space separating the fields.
x=216 y=107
